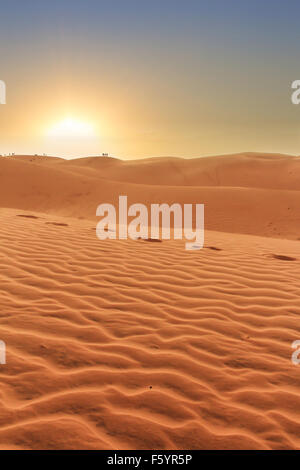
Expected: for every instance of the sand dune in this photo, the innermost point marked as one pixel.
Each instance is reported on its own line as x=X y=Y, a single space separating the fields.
x=265 y=171
x=251 y=205
x=135 y=345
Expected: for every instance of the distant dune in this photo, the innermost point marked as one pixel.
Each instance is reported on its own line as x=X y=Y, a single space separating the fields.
x=246 y=193
x=134 y=345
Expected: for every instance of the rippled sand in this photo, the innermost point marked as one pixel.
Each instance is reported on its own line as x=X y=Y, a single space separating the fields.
x=136 y=345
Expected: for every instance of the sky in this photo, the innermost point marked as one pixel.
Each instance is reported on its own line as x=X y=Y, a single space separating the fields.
x=139 y=79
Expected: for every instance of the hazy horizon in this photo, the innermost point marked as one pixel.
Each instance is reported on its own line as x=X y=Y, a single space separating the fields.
x=146 y=157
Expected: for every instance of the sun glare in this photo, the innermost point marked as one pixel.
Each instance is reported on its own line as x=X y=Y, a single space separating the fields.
x=70 y=127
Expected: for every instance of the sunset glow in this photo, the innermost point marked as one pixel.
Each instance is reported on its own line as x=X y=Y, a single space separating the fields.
x=140 y=79
x=70 y=127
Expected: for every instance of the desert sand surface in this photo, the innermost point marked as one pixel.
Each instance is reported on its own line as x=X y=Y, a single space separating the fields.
x=127 y=344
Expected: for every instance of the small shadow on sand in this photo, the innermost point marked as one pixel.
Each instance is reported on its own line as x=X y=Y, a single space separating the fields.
x=284 y=258
x=155 y=240
x=58 y=224
x=214 y=248
x=28 y=216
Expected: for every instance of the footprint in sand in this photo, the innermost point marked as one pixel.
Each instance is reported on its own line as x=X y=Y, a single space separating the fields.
x=57 y=223
x=284 y=258
x=150 y=239
x=28 y=216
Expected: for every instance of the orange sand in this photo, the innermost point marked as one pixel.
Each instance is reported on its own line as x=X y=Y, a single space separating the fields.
x=134 y=345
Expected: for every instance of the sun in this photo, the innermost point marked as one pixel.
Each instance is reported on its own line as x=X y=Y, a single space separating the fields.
x=70 y=127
